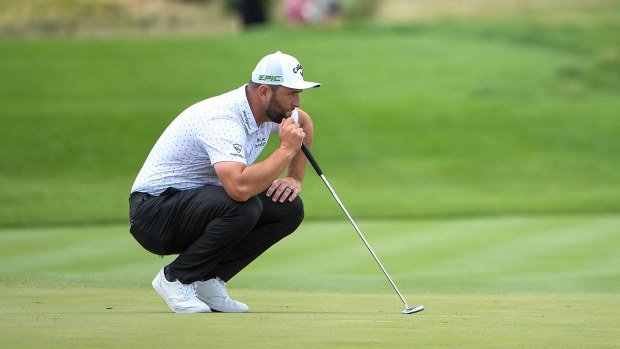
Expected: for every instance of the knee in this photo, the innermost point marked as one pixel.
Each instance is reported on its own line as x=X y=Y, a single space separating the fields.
x=253 y=208
x=292 y=217
x=247 y=212
x=296 y=213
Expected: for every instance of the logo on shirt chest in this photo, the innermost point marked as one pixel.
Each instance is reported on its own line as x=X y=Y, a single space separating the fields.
x=238 y=147
x=261 y=142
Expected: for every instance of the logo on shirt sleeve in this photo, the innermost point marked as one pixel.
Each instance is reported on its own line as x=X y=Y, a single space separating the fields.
x=238 y=149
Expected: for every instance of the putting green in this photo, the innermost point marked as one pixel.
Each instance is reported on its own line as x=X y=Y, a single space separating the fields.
x=502 y=282
x=80 y=317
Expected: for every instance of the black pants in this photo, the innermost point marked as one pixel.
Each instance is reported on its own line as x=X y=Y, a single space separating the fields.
x=212 y=234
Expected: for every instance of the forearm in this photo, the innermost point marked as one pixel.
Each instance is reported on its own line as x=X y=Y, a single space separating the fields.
x=297 y=167
x=255 y=178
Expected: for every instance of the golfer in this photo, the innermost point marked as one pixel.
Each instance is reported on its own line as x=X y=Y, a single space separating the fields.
x=201 y=195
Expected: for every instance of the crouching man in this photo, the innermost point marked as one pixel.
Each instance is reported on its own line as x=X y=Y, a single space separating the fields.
x=201 y=195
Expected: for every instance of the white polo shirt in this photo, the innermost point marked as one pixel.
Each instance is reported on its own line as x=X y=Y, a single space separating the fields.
x=217 y=129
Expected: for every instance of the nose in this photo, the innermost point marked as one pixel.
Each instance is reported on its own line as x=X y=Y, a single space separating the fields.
x=296 y=101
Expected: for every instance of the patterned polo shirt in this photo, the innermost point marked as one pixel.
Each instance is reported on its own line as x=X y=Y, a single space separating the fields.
x=217 y=129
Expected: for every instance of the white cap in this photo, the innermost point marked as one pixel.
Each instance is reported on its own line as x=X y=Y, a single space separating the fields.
x=281 y=69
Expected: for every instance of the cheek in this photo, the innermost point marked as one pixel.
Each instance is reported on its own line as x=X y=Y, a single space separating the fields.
x=282 y=105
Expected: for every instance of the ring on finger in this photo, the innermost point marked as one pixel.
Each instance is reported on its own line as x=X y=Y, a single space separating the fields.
x=291 y=188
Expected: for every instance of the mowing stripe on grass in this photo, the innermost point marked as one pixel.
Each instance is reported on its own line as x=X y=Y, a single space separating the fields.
x=524 y=254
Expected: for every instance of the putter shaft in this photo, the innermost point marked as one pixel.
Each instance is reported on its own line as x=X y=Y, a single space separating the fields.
x=318 y=170
x=363 y=238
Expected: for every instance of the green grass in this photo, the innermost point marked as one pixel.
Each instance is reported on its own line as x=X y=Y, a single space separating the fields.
x=435 y=119
x=509 y=282
x=61 y=318
x=487 y=148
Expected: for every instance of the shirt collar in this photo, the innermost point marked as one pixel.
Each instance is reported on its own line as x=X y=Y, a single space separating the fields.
x=245 y=112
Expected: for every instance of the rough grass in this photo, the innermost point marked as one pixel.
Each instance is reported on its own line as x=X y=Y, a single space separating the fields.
x=441 y=119
x=447 y=118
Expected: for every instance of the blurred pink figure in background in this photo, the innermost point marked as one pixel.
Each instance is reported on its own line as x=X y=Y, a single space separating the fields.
x=312 y=11
x=294 y=10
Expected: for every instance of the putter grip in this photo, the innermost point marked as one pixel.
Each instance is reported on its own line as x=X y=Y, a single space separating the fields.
x=310 y=158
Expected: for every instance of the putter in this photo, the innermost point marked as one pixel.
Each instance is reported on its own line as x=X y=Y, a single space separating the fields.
x=318 y=170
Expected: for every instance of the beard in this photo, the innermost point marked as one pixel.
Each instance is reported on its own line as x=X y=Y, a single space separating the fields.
x=275 y=111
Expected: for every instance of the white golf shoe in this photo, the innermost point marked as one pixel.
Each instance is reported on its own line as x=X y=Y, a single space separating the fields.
x=180 y=298
x=213 y=292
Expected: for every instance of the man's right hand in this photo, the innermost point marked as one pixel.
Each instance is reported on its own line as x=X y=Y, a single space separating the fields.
x=291 y=135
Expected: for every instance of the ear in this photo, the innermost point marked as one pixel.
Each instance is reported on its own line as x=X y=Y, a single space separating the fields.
x=264 y=92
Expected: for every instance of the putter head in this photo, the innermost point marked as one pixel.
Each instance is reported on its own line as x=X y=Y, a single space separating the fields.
x=413 y=310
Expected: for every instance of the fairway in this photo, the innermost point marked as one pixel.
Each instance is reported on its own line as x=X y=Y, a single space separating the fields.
x=509 y=282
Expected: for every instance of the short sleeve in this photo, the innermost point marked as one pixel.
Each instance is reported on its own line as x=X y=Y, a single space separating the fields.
x=224 y=140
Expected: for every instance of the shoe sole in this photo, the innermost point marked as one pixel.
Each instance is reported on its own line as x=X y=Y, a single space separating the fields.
x=223 y=311
x=231 y=311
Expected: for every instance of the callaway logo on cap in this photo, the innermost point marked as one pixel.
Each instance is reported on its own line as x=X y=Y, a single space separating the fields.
x=281 y=69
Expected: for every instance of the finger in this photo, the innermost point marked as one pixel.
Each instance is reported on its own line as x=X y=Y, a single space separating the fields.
x=290 y=123
x=273 y=188
x=293 y=196
x=279 y=193
x=284 y=123
x=287 y=193
x=287 y=121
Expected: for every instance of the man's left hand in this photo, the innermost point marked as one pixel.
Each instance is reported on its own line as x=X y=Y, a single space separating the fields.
x=284 y=188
